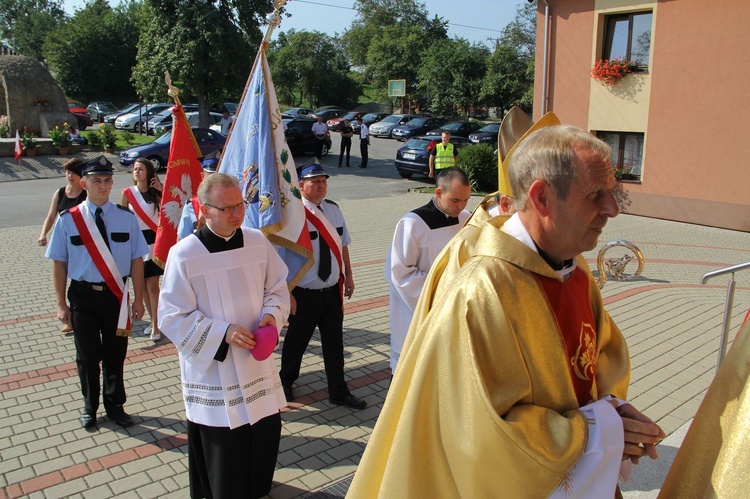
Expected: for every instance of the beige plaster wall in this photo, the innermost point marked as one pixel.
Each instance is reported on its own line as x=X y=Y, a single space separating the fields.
x=622 y=107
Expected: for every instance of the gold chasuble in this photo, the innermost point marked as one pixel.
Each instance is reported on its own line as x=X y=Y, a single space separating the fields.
x=453 y=256
x=714 y=459
x=483 y=402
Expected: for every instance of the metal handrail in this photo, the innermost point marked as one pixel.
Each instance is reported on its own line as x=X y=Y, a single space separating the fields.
x=728 y=303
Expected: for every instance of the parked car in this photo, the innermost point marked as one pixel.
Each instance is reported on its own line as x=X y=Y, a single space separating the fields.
x=157 y=119
x=414 y=156
x=297 y=112
x=165 y=118
x=457 y=128
x=368 y=120
x=384 y=127
x=300 y=138
x=98 y=110
x=137 y=119
x=336 y=124
x=486 y=135
x=76 y=108
x=479 y=113
x=327 y=114
x=371 y=118
x=230 y=107
x=129 y=108
x=82 y=121
x=416 y=127
x=194 y=121
x=158 y=150
x=327 y=108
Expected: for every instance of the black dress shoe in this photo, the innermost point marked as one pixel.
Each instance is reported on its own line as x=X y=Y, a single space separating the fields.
x=349 y=401
x=123 y=420
x=87 y=420
x=363 y=166
x=288 y=393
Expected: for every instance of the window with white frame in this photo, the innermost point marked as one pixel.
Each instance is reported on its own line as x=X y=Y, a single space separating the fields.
x=627 y=153
x=628 y=36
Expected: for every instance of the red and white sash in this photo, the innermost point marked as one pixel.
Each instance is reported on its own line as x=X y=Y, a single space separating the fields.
x=140 y=207
x=104 y=262
x=327 y=231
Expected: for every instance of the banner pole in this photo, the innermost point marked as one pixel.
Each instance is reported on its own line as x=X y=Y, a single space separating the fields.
x=272 y=24
x=274 y=21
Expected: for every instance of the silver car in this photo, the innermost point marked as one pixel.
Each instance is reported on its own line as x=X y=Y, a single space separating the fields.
x=194 y=121
x=165 y=118
x=297 y=112
x=384 y=127
x=98 y=110
x=136 y=121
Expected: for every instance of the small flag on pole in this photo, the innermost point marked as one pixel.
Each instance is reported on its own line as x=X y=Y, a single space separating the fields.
x=19 y=147
x=257 y=154
x=184 y=174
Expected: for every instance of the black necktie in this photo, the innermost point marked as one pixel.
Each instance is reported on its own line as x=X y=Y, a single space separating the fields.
x=100 y=226
x=324 y=260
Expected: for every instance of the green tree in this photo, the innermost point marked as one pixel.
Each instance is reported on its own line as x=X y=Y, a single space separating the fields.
x=527 y=101
x=510 y=71
x=520 y=33
x=451 y=73
x=311 y=65
x=25 y=23
x=93 y=52
x=506 y=81
x=387 y=38
x=375 y=15
x=208 y=47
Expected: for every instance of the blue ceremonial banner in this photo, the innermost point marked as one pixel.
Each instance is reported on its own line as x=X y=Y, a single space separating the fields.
x=257 y=154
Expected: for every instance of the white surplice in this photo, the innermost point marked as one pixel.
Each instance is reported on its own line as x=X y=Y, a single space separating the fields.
x=415 y=247
x=202 y=294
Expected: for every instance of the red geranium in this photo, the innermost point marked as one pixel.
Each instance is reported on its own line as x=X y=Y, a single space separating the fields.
x=610 y=72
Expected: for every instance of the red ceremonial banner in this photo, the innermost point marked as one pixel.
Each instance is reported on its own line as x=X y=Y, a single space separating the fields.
x=184 y=175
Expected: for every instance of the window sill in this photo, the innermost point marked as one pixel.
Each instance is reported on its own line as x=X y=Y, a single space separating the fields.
x=629 y=180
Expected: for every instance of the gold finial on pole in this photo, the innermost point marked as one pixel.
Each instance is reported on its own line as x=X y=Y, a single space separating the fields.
x=274 y=21
x=172 y=91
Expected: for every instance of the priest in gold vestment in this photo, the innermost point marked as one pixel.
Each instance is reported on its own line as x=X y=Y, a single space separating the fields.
x=714 y=458
x=516 y=126
x=514 y=381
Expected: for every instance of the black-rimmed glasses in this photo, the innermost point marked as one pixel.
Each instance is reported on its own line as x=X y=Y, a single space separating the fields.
x=229 y=209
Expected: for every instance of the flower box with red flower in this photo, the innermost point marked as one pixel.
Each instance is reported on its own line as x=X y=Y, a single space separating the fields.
x=609 y=72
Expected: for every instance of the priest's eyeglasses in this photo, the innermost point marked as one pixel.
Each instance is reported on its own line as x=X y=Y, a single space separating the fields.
x=229 y=209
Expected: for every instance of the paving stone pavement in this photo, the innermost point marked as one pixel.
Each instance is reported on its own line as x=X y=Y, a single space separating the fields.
x=671 y=323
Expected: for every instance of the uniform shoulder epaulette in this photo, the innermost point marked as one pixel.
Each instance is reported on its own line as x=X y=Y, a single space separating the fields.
x=123 y=208
x=331 y=202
